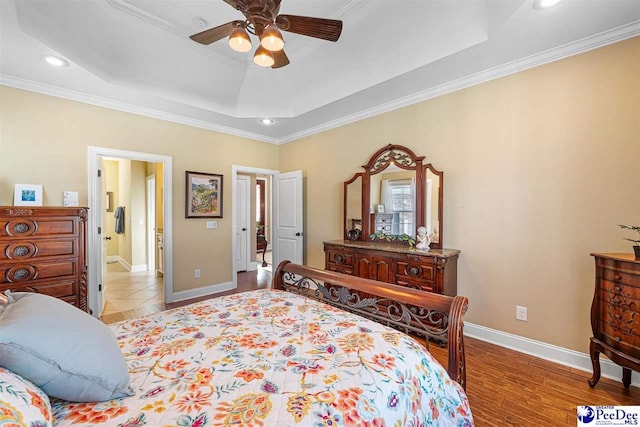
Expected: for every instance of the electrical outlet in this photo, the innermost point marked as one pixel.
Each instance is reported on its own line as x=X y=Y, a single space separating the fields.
x=521 y=313
x=196 y=273
x=212 y=224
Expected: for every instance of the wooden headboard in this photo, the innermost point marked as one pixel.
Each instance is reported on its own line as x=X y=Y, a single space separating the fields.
x=432 y=316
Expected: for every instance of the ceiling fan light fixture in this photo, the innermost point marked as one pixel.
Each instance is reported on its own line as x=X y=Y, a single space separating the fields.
x=239 y=40
x=271 y=39
x=263 y=57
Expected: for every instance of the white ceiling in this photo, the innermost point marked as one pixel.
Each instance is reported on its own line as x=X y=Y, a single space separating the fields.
x=135 y=55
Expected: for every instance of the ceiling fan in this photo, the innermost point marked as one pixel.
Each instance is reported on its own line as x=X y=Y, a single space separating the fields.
x=263 y=20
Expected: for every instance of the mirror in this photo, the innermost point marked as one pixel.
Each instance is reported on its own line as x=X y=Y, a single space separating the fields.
x=395 y=195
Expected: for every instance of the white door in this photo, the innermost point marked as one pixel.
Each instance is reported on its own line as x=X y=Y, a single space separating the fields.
x=151 y=223
x=242 y=222
x=287 y=218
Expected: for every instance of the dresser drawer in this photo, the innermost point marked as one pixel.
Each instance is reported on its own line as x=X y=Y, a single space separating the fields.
x=339 y=258
x=621 y=339
x=610 y=290
x=21 y=227
x=24 y=271
x=417 y=284
x=59 y=288
x=40 y=249
x=622 y=277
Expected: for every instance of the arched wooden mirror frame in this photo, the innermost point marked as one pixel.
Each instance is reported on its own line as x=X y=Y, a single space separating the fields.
x=406 y=159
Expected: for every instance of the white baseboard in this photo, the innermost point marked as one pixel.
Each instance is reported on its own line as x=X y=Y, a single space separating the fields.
x=199 y=292
x=553 y=353
x=113 y=259
x=124 y=263
x=138 y=267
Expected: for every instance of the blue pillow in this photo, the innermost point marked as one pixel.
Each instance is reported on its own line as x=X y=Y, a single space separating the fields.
x=61 y=349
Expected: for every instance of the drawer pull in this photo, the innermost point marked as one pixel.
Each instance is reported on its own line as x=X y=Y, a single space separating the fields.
x=21 y=227
x=617 y=277
x=340 y=259
x=616 y=316
x=20 y=251
x=20 y=273
x=414 y=271
x=618 y=339
x=617 y=288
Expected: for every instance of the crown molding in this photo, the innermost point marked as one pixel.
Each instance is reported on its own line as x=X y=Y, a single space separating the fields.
x=99 y=101
x=564 y=51
x=584 y=45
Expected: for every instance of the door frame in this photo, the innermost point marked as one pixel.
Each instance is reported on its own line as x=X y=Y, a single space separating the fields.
x=94 y=220
x=151 y=222
x=234 y=177
x=247 y=202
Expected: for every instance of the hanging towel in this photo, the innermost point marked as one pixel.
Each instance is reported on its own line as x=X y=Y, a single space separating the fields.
x=119 y=215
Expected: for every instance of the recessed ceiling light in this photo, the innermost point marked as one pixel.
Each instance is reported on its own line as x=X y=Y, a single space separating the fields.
x=267 y=122
x=544 y=4
x=56 y=61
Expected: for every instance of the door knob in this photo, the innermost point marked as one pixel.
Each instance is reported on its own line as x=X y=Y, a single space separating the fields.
x=107 y=238
x=299 y=234
x=244 y=229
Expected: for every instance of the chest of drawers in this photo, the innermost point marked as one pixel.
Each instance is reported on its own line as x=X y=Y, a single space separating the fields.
x=433 y=271
x=43 y=249
x=615 y=314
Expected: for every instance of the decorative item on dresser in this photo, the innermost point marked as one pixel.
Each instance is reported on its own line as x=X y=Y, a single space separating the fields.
x=43 y=250
x=615 y=314
x=410 y=193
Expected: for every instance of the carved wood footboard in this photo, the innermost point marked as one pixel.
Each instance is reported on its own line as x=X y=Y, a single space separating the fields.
x=433 y=316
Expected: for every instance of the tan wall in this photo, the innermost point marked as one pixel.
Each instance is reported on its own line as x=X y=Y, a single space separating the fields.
x=44 y=140
x=520 y=155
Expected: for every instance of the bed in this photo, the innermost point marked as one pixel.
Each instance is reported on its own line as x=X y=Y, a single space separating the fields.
x=308 y=351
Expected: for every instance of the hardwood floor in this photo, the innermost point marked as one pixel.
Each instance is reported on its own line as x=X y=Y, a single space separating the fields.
x=505 y=387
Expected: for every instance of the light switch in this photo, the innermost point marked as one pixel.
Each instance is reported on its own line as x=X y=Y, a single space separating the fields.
x=212 y=224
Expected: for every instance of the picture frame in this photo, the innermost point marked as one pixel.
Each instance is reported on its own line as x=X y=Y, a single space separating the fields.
x=380 y=208
x=27 y=195
x=203 y=195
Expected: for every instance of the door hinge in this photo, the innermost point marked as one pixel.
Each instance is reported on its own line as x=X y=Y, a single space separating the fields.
x=99 y=230
x=99 y=287
x=99 y=173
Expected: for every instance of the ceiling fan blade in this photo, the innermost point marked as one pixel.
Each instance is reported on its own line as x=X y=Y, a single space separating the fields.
x=320 y=28
x=280 y=58
x=216 y=33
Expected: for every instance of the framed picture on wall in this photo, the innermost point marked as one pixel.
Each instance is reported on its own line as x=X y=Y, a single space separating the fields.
x=203 y=195
x=27 y=195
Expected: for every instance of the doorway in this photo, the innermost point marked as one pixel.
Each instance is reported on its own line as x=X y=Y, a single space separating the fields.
x=98 y=228
x=130 y=278
x=285 y=208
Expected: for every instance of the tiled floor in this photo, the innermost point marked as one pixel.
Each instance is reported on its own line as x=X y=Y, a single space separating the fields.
x=127 y=291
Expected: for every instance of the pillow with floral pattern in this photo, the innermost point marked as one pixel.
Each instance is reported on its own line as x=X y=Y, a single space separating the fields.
x=22 y=403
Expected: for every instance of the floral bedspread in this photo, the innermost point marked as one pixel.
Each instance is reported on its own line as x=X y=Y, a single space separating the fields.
x=272 y=358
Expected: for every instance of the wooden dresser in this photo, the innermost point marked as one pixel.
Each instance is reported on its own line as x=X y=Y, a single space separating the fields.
x=615 y=314
x=434 y=270
x=43 y=249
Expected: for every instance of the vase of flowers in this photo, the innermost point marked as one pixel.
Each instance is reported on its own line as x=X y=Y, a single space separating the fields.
x=636 y=243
